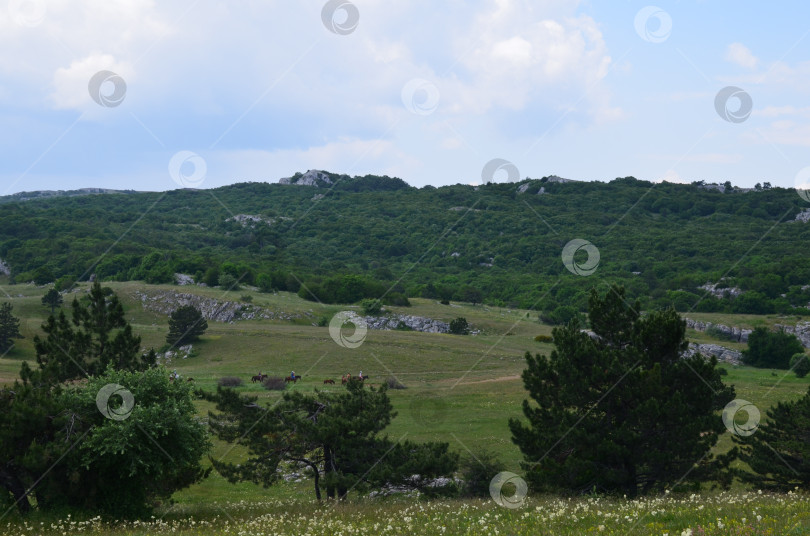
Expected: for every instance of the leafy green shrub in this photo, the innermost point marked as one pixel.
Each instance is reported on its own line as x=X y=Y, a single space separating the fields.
x=247 y=298
x=228 y=282
x=459 y=326
x=371 y=307
x=800 y=364
x=771 y=349
x=398 y=299
x=544 y=338
x=445 y=302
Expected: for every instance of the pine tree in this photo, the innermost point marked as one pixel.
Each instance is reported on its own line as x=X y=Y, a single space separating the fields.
x=336 y=435
x=778 y=452
x=52 y=299
x=619 y=409
x=9 y=327
x=96 y=337
x=186 y=324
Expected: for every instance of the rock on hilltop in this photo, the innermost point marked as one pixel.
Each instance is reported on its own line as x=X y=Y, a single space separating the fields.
x=313 y=177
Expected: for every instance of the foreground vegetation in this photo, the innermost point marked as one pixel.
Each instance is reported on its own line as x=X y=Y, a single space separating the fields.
x=724 y=514
x=461 y=390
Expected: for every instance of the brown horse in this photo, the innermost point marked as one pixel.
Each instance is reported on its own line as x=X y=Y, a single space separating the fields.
x=294 y=380
x=329 y=381
x=258 y=378
x=345 y=379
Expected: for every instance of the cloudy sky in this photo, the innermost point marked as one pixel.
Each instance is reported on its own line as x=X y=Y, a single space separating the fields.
x=138 y=94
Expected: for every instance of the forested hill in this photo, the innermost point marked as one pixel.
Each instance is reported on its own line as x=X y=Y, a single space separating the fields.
x=358 y=237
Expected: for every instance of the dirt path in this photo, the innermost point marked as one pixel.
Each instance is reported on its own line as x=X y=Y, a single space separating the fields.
x=501 y=379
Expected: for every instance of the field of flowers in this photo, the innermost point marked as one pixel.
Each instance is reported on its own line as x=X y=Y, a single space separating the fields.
x=750 y=513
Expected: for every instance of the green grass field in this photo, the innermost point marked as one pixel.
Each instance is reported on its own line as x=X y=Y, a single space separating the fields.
x=459 y=389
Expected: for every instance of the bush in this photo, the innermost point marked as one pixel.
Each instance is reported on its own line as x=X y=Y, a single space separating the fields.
x=371 y=307
x=544 y=338
x=229 y=381
x=228 y=282
x=393 y=383
x=397 y=298
x=477 y=472
x=247 y=298
x=445 y=302
x=771 y=349
x=800 y=364
x=275 y=383
x=459 y=326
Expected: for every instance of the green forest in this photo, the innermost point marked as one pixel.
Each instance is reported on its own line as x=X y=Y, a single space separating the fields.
x=377 y=236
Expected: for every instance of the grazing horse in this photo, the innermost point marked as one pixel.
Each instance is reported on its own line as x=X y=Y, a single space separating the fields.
x=189 y=379
x=287 y=379
x=345 y=379
x=258 y=378
x=329 y=381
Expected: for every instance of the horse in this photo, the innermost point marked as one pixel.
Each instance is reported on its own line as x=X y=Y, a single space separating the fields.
x=258 y=378
x=189 y=379
x=345 y=379
x=329 y=381
x=294 y=380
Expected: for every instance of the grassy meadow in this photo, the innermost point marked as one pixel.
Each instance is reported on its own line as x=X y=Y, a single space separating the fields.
x=459 y=389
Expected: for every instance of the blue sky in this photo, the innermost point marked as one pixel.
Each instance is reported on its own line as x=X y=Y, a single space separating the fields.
x=426 y=91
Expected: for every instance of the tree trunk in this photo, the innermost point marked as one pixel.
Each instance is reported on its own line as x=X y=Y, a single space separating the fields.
x=13 y=485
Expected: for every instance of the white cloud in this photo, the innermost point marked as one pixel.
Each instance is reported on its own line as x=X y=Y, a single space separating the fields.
x=71 y=83
x=739 y=54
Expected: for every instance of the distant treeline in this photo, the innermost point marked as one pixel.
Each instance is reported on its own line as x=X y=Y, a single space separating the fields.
x=377 y=236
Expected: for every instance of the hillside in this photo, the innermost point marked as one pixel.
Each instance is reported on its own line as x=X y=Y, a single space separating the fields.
x=350 y=237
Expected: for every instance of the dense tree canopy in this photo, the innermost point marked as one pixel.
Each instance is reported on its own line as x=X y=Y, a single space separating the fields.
x=619 y=409
x=186 y=324
x=771 y=349
x=372 y=235
x=778 y=451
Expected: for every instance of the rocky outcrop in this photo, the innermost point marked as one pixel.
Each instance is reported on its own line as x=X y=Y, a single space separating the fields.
x=183 y=279
x=183 y=352
x=166 y=302
x=313 y=177
x=416 y=323
x=723 y=354
x=801 y=330
x=803 y=216
x=5 y=269
x=724 y=292
x=732 y=333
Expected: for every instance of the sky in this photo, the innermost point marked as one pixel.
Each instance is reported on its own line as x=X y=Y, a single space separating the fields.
x=145 y=95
